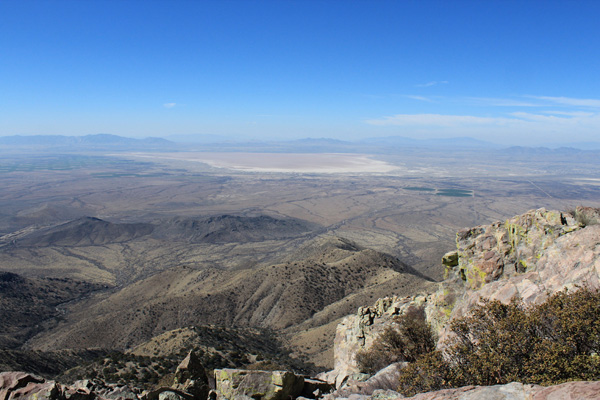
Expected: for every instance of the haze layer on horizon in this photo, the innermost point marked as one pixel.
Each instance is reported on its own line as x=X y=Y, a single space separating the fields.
x=500 y=71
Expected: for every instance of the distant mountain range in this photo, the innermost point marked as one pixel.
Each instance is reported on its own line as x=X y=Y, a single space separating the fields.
x=216 y=143
x=89 y=142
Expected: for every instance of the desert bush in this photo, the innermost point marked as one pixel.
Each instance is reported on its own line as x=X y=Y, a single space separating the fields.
x=583 y=216
x=409 y=339
x=549 y=343
x=430 y=372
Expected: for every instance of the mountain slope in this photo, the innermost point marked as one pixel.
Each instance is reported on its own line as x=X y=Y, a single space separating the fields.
x=28 y=306
x=276 y=296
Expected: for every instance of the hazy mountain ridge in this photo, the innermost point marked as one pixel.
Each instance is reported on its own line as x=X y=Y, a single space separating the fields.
x=100 y=141
x=376 y=145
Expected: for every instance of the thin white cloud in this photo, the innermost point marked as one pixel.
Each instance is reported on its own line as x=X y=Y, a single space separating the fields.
x=518 y=127
x=421 y=98
x=569 y=101
x=434 y=120
x=533 y=120
x=575 y=120
x=500 y=102
x=432 y=83
x=568 y=113
x=169 y=105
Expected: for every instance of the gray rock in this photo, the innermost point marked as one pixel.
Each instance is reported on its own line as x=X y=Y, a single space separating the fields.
x=266 y=385
x=190 y=377
x=169 y=395
x=387 y=394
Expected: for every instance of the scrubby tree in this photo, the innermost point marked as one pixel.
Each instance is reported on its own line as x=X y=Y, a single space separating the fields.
x=549 y=343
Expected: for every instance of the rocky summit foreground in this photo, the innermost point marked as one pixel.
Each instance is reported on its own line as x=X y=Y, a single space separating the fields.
x=531 y=256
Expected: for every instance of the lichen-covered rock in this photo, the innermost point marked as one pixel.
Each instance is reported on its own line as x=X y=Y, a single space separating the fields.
x=450 y=259
x=535 y=254
x=263 y=385
x=485 y=253
x=530 y=255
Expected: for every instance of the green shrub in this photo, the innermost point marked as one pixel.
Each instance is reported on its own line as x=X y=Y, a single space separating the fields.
x=410 y=339
x=549 y=343
x=430 y=372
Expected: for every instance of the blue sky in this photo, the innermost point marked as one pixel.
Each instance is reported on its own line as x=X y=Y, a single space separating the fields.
x=505 y=71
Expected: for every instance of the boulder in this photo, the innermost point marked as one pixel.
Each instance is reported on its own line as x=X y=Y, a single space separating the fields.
x=118 y=392
x=190 y=377
x=21 y=385
x=259 y=385
x=168 y=393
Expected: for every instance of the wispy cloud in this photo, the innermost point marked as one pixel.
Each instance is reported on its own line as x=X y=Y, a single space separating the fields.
x=568 y=113
x=434 y=120
x=501 y=102
x=569 y=101
x=421 y=98
x=169 y=105
x=432 y=83
x=516 y=127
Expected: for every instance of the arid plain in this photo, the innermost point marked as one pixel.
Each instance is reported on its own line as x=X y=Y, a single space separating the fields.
x=285 y=242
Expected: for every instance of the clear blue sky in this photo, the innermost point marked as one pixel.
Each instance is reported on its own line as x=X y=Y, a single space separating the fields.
x=506 y=71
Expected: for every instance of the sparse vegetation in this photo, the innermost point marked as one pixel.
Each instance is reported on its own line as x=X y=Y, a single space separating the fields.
x=407 y=341
x=549 y=343
x=583 y=216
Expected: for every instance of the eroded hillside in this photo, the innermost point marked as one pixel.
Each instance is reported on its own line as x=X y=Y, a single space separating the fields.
x=313 y=291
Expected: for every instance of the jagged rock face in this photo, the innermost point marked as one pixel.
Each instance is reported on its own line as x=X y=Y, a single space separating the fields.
x=265 y=385
x=357 y=332
x=534 y=255
x=531 y=256
x=485 y=253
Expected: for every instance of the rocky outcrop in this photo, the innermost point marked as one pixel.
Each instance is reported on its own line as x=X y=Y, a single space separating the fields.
x=517 y=391
x=235 y=384
x=531 y=256
x=24 y=386
x=20 y=385
x=358 y=332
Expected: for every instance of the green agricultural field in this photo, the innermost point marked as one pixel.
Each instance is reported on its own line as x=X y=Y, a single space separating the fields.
x=455 y=192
